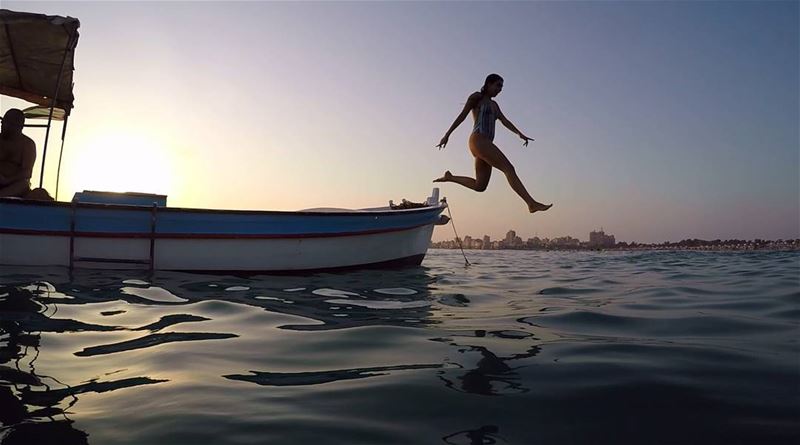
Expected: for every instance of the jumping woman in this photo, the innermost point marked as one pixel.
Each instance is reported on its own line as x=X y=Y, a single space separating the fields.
x=485 y=111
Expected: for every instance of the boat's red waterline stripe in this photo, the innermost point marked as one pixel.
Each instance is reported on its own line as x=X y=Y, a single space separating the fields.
x=147 y=235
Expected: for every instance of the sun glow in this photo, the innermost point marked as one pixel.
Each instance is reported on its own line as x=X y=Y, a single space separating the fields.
x=122 y=162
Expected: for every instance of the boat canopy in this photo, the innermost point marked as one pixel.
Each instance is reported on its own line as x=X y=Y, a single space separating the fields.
x=39 y=112
x=37 y=57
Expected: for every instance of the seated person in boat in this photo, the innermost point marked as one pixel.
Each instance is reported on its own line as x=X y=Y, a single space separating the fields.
x=17 y=155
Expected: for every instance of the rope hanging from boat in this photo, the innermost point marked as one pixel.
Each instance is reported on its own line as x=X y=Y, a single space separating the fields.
x=458 y=240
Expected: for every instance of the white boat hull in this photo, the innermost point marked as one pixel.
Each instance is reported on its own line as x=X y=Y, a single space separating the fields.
x=245 y=255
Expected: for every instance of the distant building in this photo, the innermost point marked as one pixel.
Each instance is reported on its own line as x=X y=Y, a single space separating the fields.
x=565 y=242
x=600 y=239
x=512 y=241
x=487 y=242
x=534 y=243
x=510 y=236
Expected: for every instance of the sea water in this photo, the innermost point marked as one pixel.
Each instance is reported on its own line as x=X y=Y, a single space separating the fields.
x=521 y=347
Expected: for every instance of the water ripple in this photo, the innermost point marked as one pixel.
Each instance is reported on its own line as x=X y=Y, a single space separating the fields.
x=151 y=340
x=319 y=377
x=520 y=347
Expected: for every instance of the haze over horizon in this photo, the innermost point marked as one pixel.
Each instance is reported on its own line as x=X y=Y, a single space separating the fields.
x=658 y=121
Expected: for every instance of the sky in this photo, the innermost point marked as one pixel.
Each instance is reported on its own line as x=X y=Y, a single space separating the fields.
x=654 y=120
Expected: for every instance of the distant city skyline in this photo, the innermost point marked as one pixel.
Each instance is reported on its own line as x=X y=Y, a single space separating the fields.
x=511 y=238
x=598 y=236
x=657 y=120
x=601 y=240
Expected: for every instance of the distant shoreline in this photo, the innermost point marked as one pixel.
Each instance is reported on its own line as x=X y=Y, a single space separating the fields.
x=686 y=245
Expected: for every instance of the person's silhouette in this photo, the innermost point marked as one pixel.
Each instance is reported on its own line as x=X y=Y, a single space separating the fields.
x=485 y=111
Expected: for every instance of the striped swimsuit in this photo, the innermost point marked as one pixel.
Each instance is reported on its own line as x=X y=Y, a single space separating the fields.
x=484 y=122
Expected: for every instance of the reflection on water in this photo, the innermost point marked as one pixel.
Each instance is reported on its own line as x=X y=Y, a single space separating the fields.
x=486 y=434
x=491 y=374
x=35 y=406
x=316 y=378
x=150 y=340
x=543 y=347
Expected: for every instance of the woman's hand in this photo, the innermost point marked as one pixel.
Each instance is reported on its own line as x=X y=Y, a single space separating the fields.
x=526 y=139
x=442 y=143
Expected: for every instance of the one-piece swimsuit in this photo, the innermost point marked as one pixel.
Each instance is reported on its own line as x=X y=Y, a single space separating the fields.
x=484 y=121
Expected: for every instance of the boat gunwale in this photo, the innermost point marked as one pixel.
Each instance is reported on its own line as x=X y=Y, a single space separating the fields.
x=161 y=209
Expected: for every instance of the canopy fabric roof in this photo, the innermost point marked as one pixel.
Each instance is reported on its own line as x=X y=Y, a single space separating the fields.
x=39 y=112
x=32 y=48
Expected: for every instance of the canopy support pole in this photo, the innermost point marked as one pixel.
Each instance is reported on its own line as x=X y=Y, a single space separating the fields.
x=52 y=106
x=61 y=153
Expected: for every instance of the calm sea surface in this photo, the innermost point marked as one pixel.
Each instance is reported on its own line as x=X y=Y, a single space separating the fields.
x=519 y=348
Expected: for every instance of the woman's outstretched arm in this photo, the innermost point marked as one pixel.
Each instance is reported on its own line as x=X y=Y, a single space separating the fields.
x=507 y=123
x=471 y=100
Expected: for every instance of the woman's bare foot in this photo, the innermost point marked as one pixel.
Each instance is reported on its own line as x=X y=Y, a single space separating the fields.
x=446 y=178
x=539 y=207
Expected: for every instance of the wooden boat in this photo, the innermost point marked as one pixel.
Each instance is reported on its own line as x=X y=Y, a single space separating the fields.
x=114 y=230
x=135 y=230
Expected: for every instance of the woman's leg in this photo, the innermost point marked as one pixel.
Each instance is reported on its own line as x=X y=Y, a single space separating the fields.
x=488 y=152
x=483 y=172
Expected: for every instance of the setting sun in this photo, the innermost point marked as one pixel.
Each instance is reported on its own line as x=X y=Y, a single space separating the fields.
x=120 y=161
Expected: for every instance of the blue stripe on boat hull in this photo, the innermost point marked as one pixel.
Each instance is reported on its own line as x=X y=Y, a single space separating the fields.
x=18 y=216
x=206 y=236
